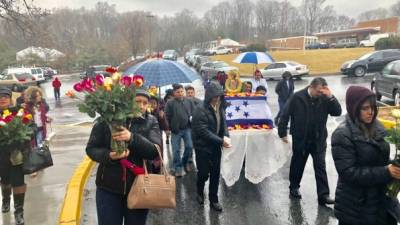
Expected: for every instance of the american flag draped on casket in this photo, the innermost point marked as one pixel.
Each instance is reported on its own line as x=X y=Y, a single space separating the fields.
x=248 y=110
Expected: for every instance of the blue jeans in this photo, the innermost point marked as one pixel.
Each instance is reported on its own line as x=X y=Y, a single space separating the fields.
x=112 y=210
x=176 y=146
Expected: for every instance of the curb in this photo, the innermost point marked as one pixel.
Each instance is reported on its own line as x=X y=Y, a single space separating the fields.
x=71 y=209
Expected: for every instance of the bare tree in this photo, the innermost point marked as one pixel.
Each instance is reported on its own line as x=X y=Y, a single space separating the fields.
x=395 y=8
x=375 y=14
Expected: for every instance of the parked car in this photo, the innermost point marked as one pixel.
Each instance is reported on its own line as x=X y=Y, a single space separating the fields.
x=212 y=68
x=170 y=55
x=347 y=43
x=189 y=54
x=372 y=39
x=200 y=61
x=92 y=71
x=318 y=45
x=221 y=50
x=371 y=62
x=275 y=70
x=48 y=72
x=387 y=82
x=35 y=72
x=17 y=81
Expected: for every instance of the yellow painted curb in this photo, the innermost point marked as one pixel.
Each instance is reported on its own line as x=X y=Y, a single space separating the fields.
x=71 y=210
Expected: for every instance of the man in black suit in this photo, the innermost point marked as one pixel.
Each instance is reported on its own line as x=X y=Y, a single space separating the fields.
x=308 y=112
x=284 y=89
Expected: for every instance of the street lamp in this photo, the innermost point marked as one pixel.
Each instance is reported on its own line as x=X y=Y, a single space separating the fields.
x=150 y=16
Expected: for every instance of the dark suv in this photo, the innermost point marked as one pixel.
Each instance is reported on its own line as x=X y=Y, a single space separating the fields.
x=371 y=62
x=387 y=82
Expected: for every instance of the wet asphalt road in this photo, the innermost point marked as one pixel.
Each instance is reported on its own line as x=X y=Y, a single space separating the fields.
x=252 y=204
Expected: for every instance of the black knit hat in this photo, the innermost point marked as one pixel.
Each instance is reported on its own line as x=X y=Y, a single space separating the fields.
x=355 y=96
x=5 y=91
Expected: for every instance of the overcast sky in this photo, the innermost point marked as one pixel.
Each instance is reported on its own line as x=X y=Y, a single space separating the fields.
x=350 y=8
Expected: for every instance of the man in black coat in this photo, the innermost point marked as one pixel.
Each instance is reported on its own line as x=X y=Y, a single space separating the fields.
x=308 y=112
x=209 y=132
x=284 y=89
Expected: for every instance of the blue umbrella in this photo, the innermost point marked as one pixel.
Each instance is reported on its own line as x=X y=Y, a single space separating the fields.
x=163 y=72
x=253 y=58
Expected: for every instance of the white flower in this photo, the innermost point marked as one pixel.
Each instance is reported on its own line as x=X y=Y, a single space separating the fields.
x=2 y=123
x=20 y=113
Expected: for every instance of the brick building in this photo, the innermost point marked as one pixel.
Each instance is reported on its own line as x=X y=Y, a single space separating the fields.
x=290 y=43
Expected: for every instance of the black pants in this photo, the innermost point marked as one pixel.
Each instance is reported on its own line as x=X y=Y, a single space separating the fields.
x=208 y=164
x=57 y=93
x=298 y=162
x=112 y=210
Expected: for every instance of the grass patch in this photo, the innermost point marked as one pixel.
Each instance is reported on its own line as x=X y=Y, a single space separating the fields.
x=322 y=61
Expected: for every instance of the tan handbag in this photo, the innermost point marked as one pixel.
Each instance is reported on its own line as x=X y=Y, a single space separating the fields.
x=150 y=191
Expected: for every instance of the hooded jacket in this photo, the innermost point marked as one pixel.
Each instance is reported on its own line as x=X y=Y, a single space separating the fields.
x=56 y=83
x=204 y=125
x=361 y=163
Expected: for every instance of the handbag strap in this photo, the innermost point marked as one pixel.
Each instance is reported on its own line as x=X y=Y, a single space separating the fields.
x=163 y=169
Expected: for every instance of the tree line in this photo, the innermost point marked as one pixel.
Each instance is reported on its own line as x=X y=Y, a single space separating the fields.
x=103 y=35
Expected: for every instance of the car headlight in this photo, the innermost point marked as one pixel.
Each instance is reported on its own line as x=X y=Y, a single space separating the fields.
x=349 y=65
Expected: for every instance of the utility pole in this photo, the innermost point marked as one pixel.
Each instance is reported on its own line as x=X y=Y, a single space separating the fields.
x=150 y=16
x=305 y=26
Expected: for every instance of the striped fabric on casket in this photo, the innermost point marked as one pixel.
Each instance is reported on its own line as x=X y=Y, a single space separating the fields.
x=252 y=110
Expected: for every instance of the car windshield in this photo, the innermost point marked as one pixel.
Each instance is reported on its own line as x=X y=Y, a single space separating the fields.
x=366 y=56
x=293 y=63
x=221 y=64
x=169 y=52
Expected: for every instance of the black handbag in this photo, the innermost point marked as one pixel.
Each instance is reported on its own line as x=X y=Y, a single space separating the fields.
x=37 y=159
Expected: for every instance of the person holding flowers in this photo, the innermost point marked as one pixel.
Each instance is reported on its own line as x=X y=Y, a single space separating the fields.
x=15 y=134
x=124 y=135
x=361 y=157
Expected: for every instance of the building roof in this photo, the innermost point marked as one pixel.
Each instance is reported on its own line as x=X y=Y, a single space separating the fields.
x=350 y=31
x=285 y=38
x=44 y=53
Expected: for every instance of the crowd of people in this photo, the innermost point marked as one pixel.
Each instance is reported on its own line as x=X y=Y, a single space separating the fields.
x=359 y=149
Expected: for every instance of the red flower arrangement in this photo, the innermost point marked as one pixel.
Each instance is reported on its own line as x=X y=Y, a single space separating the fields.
x=14 y=127
x=112 y=98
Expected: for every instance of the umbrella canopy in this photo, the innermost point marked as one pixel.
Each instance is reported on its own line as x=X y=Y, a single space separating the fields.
x=253 y=58
x=163 y=72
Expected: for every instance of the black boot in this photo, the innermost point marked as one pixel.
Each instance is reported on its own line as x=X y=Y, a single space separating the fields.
x=19 y=209
x=6 y=193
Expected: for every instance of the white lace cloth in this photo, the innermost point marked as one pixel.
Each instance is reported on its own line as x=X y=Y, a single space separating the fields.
x=265 y=154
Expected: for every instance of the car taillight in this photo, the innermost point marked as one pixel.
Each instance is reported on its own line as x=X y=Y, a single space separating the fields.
x=21 y=79
x=33 y=78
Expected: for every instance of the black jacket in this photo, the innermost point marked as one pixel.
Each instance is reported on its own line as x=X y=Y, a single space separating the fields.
x=283 y=91
x=204 y=125
x=178 y=114
x=296 y=110
x=146 y=134
x=363 y=174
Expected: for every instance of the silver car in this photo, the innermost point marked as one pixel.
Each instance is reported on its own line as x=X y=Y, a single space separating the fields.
x=212 y=68
x=275 y=70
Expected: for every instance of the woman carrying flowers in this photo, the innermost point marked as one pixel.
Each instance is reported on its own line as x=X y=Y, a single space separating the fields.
x=142 y=134
x=14 y=133
x=361 y=157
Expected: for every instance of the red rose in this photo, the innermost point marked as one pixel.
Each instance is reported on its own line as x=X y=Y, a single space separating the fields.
x=111 y=70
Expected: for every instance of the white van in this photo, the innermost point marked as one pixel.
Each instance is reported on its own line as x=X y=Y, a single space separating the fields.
x=372 y=39
x=37 y=73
